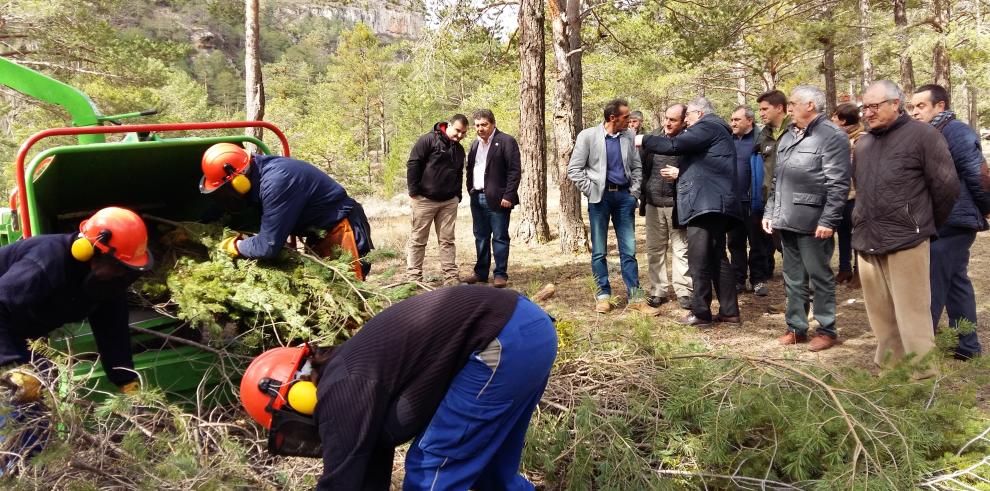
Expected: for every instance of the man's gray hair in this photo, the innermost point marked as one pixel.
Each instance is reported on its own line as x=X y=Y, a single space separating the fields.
x=810 y=93
x=891 y=91
x=701 y=104
x=747 y=111
x=636 y=115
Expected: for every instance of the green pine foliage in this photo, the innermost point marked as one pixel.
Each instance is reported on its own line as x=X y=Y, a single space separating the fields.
x=653 y=412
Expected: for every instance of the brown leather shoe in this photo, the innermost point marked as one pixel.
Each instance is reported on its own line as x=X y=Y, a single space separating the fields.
x=728 y=319
x=843 y=276
x=472 y=279
x=500 y=282
x=792 y=338
x=603 y=305
x=644 y=308
x=821 y=343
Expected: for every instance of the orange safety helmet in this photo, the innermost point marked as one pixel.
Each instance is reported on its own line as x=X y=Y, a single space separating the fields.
x=118 y=232
x=223 y=163
x=266 y=382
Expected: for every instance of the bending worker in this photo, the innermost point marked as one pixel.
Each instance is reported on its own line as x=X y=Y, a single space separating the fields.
x=460 y=369
x=295 y=198
x=50 y=280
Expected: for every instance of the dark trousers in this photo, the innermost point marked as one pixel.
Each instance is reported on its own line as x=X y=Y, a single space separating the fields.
x=806 y=259
x=951 y=289
x=844 y=231
x=710 y=266
x=491 y=237
x=757 y=260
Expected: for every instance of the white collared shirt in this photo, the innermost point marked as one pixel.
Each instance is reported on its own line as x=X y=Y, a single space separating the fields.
x=481 y=162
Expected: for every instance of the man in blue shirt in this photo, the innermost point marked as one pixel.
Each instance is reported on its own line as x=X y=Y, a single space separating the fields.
x=295 y=198
x=605 y=166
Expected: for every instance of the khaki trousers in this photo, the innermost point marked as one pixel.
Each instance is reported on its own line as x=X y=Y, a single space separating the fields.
x=443 y=214
x=897 y=291
x=660 y=232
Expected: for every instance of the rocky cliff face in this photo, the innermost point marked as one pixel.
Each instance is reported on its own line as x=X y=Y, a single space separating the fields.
x=395 y=19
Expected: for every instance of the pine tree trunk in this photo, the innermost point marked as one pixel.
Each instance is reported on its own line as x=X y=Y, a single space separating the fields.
x=907 y=67
x=940 y=55
x=254 y=87
x=972 y=114
x=828 y=66
x=867 y=74
x=532 y=126
x=565 y=21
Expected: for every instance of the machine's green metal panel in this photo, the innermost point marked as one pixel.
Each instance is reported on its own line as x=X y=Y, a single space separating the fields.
x=157 y=177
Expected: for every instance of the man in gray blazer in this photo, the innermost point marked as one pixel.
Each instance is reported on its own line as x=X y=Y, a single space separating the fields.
x=605 y=166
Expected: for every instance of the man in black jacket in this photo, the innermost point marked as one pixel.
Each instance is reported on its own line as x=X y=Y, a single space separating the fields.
x=658 y=204
x=707 y=204
x=493 y=172
x=810 y=188
x=433 y=176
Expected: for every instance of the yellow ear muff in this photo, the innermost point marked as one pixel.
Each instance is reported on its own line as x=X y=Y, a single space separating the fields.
x=82 y=249
x=241 y=184
x=302 y=397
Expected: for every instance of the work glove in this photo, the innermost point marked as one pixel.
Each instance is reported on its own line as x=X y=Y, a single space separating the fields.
x=24 y=384
x=229 y=245
x=130 y=387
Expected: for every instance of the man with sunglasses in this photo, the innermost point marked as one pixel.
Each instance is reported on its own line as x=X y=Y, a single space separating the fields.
x=907 y=187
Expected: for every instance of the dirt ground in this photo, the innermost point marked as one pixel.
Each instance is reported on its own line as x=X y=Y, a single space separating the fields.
x=533 y=265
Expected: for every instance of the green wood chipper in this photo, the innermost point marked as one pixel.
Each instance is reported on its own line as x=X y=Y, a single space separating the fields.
x=146 y=171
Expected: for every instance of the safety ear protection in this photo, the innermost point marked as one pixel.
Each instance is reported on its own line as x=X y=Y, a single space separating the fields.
x=83 y=250
x=240 y=182
x=302 y=397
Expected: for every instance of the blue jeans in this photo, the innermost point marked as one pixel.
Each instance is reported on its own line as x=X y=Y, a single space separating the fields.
x=620 y=206
x=475 y=439
x=952 y=290
x=491 y=236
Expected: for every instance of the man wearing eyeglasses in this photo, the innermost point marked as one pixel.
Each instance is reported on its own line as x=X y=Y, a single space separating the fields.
x=907 y=186
x=434 y=174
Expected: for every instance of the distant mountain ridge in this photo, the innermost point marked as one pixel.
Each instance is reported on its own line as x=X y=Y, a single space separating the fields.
x=394 y=19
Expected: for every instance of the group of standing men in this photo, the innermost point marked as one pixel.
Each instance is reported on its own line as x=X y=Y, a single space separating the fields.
x=434 y=178
x=706 y=186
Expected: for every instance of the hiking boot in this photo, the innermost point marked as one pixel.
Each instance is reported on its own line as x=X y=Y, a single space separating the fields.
x=693 y=320
x=643 y=308
x=684 y=302
x=655 y=301
x=792 y=338
x=761 y=289
x=603 y=305
x=500 y=282
x=821 y=343
x=472 y=279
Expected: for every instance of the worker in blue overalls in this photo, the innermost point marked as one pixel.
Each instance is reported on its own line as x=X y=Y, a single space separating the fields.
x=50 y=280
x=295 y=198
x=458 y=371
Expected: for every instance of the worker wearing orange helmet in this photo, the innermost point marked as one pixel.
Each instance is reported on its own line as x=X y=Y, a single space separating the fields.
x=457 y=370
x=295 y=198
x=50 y=280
